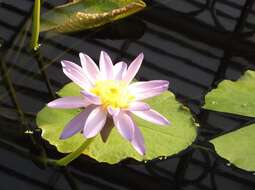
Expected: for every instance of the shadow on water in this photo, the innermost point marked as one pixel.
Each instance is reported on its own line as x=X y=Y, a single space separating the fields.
x=193 y=44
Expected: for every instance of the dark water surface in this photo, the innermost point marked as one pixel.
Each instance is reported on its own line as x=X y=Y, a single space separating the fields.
x=194 y=44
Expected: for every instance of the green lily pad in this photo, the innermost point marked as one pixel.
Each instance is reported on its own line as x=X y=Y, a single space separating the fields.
x=234 y=97
x=238 y=147
x=159 y=140
x=87 y=14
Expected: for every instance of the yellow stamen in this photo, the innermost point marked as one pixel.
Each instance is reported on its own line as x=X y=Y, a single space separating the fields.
x=113 y=93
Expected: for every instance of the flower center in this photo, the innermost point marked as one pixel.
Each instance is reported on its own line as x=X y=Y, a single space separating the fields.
x=113 y=93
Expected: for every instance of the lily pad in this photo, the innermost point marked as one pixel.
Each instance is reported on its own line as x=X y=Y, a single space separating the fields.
x=234 y=97
x=238 y=147
x=159 y=141
x=87 y=14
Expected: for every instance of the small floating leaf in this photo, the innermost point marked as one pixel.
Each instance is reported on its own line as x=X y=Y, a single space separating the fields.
x=238 y=147
x=234 y=97
x=86 y=14
x=159 y=141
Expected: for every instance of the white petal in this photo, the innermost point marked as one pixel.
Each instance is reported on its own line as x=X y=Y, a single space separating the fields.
x=138 y=141
x=149 y=94
x=95 y=122
x=76 y=74
x=119 y=70
x=146 y=86
x=106 y=66
x=90 y=97
x=89 y=67
x=124 y=124
x=143 y=90
x=68 y=102
x=138 y=106
x=133 y=68
x=152 y=116
x=113 y=111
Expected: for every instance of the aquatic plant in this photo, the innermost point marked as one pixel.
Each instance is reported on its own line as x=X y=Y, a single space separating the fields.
x=108 y=95
x=113 y=108
x=236 y=97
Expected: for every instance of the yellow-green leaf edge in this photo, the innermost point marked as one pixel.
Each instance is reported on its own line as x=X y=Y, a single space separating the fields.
x=236 y=97
x=238 y=147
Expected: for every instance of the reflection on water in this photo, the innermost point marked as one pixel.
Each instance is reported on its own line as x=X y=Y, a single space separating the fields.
x=193 y=44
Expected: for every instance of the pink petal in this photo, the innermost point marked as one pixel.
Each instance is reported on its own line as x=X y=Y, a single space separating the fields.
x=113 y=111
x=95 y=122
x=89 y=67
x=76 y=74
x=68 y=102
x=148 y=94
x=90 y=97
x=138 y=106
x=143 y=90
x=119 y=70
x=152 y=116
x=76 y=124
x=146 y=86
x=154 y=92
x=106 y=66
x=138 y=141
x=133 y=68
x=124 y=124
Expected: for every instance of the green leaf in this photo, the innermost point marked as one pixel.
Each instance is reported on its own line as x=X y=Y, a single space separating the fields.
x=86 y=14
x=234 y=97
x=159 y=140
x=70 y=89
x=238 y=147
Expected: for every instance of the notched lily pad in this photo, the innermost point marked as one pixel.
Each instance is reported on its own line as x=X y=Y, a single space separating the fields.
x=237 y=97
x=159 y=140
x=87 y=14
x=238 y=147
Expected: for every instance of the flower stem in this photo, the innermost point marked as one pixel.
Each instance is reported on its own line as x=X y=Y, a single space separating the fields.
x=36 y=25
x=70 y=157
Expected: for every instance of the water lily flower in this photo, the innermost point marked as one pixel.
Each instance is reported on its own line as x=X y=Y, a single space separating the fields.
x=109 y=95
